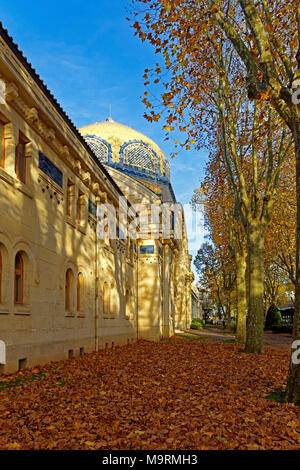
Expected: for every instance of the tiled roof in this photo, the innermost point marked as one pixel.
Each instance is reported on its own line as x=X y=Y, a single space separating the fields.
x=28 y=66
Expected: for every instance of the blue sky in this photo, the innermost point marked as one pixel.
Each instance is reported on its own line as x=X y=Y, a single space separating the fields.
x=88 y=56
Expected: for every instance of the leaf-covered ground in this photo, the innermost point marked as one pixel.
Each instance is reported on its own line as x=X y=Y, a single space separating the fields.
x=173 y=395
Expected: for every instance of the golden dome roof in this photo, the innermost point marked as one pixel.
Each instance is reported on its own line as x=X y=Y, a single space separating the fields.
x=122 y=147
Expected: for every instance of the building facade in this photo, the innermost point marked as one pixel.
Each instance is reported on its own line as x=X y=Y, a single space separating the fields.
x=64 y=290
x=197 y=311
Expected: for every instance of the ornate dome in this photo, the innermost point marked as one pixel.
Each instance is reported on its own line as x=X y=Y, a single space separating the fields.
x=128 y=150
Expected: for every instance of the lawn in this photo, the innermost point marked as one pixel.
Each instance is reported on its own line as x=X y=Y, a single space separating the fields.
x=179 y=394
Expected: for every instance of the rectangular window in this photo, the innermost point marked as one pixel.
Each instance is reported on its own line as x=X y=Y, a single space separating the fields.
x=20 y=161
x=80 y=207
x=50 y=169
x=18 y=293
x=120 y=234
x=78 y=211
x=92 y=208
x=173 y=221
x=147 y=249
x=2 y=145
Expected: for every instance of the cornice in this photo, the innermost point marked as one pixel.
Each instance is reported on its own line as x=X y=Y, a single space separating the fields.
x=30 y=81
x=31 y=116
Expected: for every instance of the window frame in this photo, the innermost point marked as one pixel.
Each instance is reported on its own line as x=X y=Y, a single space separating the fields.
x=80 y=215
x=68 y=289
x=69 y=201
x=78 y=210
x=79 y=287
x=17 y=160
x=19 y=272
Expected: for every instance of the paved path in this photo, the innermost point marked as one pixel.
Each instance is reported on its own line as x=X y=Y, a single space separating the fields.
x=212 y=333
x=281 y=341
x=278 y=341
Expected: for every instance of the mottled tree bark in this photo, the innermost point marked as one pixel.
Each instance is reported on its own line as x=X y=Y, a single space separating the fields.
x=293 y=384
x=227 y=314
x=241 y=294
x=255 y=328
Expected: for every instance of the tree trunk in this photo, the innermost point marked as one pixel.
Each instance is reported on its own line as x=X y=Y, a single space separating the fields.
x=293 y=384
x=228 y=314
x=220 y=316
x=241 y=294
x=255 y=327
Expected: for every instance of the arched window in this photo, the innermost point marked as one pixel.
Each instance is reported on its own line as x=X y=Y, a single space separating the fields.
x=4 y=276
x=79 y=291
x=69 y=290
x=19 y=278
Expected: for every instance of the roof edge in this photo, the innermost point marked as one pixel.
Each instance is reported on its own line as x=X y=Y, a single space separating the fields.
x=30 y=69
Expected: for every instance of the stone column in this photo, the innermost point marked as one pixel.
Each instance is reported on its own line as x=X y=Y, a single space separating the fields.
x=11 y=136
x=84 y=212
x=189 y=279
x=71 y=191
x=167 y=253
x=176 y=276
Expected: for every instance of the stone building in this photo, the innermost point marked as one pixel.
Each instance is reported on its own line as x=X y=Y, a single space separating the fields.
x=197 y=311
x=63 y=289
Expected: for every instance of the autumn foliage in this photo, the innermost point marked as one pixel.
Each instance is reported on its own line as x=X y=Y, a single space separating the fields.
x=228 y=74
x=174 y=395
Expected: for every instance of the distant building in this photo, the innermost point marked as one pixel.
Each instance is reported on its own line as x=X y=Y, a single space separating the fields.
x=287 y=314
x=63 y=289
x=197 y=311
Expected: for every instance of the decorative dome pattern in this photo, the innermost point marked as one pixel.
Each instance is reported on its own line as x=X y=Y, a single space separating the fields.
x=100 y=147
x=138 y=154
x=128 y=150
